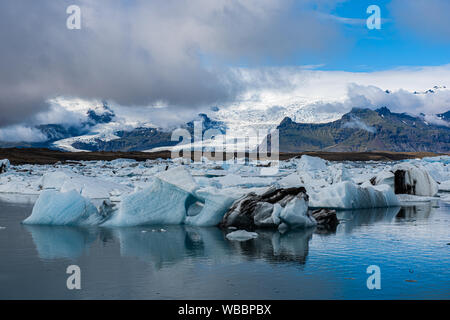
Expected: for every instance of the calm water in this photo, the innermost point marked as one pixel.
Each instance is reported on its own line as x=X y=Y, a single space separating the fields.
x=410 y=245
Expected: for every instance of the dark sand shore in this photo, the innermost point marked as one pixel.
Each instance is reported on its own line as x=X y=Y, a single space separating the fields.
x=47 y=156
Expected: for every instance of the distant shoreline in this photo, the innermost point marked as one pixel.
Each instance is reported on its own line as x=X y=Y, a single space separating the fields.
x=47 y=156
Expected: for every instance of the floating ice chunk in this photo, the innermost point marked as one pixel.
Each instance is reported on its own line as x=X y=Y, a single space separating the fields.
x=308 y=163
x=384 y=177
x=347 y=195
x=236 y=180
x=212 y=210
x=445 y=186
x=295 y=214
x=272 y=208
x=63 y=208
x=442 y=159
x=180 y=177
x=438 y=170
x=161 y=203
x=241 y=235
x=93 y=188
x=55 y=180
x=338 y=173
x=413 y=179
x=304 y=179
x=122 y=161
x=4 y=165
x=413 y=198
x=446 y=198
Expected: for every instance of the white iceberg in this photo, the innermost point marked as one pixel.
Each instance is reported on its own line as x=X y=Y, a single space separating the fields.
x=169 y=200
x=308 y=163
x=179 y=177
x=384 y=177
x=295 y=214
x=93 y=188
x=347 y=195
x=161 y=203
x=415 y=180
x=4 y=165
x=63 y=208
x=445 y=186
x=211 y=209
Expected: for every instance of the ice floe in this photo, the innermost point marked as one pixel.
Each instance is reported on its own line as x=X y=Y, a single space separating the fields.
x=241 y=235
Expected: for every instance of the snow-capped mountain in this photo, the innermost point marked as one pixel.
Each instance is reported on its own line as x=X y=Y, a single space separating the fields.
x=365 y=129
x=254 y=115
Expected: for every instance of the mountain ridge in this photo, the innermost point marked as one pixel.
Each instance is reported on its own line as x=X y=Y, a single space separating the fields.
x=364 y=129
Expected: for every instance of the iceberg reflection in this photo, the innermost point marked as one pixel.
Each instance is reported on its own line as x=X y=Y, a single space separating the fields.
x=53 y=242
x=163 y=246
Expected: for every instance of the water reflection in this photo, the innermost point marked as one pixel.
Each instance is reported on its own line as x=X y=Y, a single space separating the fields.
x=163 y=247
x=174 y=244
x=351 y=220
x=416 y=212
x=54 y=242
x=272 y=246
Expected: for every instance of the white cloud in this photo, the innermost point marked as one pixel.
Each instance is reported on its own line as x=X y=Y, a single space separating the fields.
x=18 y=133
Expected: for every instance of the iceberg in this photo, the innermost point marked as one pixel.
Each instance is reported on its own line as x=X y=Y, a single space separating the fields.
x=161 y=203
x=213 y=207
x=179 y=177
x=415 y=180
x=4 y=165
x=169 y=200
x=63 y=209
x=275 y=207
x=295 y=214
x=347 y=195
x=384 y=177
x=308 y=163
x=93 y=188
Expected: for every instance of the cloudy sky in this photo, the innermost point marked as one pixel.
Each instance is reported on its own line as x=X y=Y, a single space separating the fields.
x=186 y=55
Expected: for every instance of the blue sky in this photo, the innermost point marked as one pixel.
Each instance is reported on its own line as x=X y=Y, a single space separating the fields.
x=394 y=45
x=391 y=46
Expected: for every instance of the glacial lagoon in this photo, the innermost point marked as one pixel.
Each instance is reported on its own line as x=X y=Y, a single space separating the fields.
x=410 y=245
